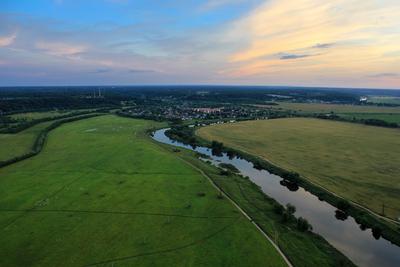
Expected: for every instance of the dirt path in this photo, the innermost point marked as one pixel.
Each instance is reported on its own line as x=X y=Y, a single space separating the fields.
x=240 y=209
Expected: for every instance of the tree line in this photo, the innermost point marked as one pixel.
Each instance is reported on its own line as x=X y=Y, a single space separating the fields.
x=41 y=138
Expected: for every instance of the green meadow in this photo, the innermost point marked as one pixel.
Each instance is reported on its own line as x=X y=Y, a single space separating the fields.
x=13 y=145
x=102 y=193
x=358 y=162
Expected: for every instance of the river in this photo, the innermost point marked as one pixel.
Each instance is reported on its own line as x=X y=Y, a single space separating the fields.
x=344 y=234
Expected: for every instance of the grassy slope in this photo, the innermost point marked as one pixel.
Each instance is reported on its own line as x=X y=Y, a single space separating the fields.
x=355 y=161
x=13 y=145
x=106 y=164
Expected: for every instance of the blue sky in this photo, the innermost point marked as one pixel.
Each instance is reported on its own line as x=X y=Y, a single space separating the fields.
x=350 y=43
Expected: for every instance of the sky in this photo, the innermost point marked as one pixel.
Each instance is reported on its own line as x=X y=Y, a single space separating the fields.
x=336 y=43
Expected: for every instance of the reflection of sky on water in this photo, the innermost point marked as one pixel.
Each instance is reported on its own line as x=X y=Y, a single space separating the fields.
x=360 y=246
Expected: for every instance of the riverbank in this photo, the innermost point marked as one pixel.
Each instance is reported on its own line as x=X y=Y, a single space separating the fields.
x=381 y=226
x=301 y=247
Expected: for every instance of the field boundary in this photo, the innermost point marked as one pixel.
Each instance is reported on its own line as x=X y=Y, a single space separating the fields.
x=42 y=136
x=25 y=125
x=118 y=213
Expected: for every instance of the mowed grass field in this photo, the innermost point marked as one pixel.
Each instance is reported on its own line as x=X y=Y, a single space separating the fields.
x=358 y=162
x=102 y=192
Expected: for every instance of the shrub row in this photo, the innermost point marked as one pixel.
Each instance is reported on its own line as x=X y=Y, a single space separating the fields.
x=372 y=122
x=26 y=124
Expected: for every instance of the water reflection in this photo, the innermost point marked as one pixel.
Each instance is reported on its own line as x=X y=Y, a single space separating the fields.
x=289 y=185
x=363 y=246
x=341 y=215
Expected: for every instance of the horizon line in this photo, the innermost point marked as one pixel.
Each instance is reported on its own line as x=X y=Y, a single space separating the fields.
x=207 y=85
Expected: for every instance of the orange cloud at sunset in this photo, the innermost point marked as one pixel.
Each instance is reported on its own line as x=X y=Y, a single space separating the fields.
x=311 y=37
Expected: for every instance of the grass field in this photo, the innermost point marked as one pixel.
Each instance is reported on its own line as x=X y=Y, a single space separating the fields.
x=101 y=192
x=13 y=145
x=360 y=163
x=304 y=249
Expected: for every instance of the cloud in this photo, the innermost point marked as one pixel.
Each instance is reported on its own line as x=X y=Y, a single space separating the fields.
x=214 y=4
x=365 y=29
x=384 y=75
x=292 y=56
x=139 y=71
x=7 y=40
x=99 y=71
x=60 y=49
x=312 y=42
x=325 y=45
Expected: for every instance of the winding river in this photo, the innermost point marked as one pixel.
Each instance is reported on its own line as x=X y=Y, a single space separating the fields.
x=345 y=234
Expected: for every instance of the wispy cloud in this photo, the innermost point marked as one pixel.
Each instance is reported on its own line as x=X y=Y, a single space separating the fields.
x=60 y=49
x=213 y=4
x=99 y=71
x=7 y=40
x=350 y=38
x=139 y=71
x=310 y=42
x=293 y=56
x=323 y=46
x=384 y=75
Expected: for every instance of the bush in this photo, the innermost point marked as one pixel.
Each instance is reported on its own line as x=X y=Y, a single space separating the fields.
x=376 y=232
x=279 y=209
x=303 y=225
x=225 y=172
x=217 y=148
x=229 y=167
x=287 y=214
x=290 y=208
x=343 y=205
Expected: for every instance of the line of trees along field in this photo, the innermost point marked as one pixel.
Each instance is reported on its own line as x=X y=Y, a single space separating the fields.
x=41 y=138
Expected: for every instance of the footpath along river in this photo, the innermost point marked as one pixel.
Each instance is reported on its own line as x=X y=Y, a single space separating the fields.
x=360 y=246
